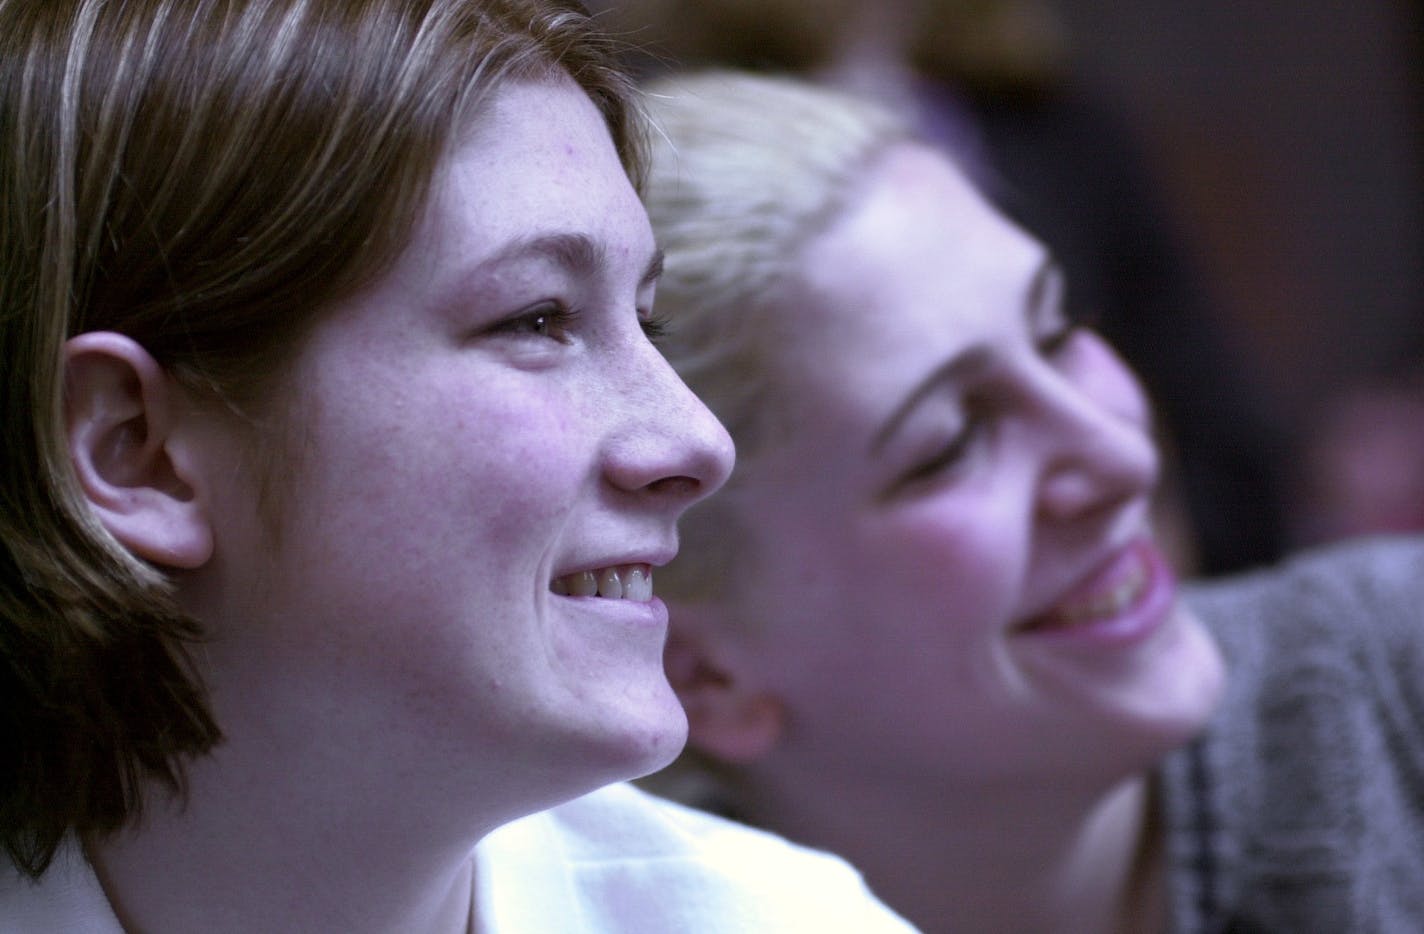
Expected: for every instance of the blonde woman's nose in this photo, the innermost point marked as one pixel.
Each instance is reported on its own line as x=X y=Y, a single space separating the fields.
x=1098 y=445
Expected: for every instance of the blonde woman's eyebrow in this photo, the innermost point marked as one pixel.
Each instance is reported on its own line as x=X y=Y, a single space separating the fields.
x=955 y=368
x=1043 y=290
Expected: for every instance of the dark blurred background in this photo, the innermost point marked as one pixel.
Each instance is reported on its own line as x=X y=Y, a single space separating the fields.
x=1288 y=140
x=1286 y=134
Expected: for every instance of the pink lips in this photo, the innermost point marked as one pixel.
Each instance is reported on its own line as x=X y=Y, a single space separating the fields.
x=1127 y=599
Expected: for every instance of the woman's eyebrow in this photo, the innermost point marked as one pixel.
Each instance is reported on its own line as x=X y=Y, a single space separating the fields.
x=575 y=252
x=952 y=369
x=1042 y=291
x=578 y=253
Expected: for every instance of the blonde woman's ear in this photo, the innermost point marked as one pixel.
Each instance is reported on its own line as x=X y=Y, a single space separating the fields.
x=120 y=424
x=729 y=717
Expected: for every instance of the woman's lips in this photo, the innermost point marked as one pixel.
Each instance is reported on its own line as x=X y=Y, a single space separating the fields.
x=1124 y=600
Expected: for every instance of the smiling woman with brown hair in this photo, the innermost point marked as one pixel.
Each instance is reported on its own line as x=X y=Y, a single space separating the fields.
x=338 y=461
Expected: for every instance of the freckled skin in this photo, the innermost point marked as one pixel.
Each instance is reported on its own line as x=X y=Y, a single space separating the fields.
x=451 y=469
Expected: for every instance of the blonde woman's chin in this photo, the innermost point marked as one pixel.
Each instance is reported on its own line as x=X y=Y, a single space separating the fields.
x=1143 y=700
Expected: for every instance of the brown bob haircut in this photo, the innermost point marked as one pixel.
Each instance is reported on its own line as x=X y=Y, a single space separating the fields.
x=205 y=177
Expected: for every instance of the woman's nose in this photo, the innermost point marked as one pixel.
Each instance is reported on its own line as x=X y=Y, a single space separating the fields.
x=669 y=444
x=1099 y=451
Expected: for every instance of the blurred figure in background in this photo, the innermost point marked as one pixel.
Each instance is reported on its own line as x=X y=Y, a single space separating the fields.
x=1363 y=469
x=990 y=82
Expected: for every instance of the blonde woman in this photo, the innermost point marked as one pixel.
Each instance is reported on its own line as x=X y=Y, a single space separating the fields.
x=928 y=624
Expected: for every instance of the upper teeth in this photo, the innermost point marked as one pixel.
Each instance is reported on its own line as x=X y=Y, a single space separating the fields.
x=624 y=582
x=1106 y=603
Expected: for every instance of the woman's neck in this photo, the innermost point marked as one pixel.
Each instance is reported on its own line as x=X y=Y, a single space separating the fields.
x=273 y=856
x=1032 y=859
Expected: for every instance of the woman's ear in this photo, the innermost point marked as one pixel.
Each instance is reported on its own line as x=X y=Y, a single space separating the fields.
x=119 y=411
x=729 y=716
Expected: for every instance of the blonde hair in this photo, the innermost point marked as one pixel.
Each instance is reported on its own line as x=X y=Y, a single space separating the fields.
x=206 y=177
x=745 y=170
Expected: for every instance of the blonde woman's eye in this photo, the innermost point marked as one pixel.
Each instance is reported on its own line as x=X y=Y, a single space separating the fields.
x=1053 y=342
x=1069 y=324
x=947 y=457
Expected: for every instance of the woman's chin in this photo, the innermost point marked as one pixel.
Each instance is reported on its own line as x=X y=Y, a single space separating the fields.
x=643 y=741
x=1184 y=691
x=1140 y=703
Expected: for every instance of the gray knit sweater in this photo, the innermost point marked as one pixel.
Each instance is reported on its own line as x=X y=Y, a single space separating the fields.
x=1302 y=808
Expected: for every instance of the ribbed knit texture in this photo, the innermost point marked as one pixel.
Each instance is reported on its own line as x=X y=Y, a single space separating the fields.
x=1302 y=808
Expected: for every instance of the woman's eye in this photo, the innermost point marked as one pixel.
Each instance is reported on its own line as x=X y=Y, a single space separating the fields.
x=1070 y=323
x=654 y=324
x=948 y=456
x=1053 y=342
x=549 y=320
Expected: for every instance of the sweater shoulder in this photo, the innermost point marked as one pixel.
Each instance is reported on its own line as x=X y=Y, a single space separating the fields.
x=1301 y=794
